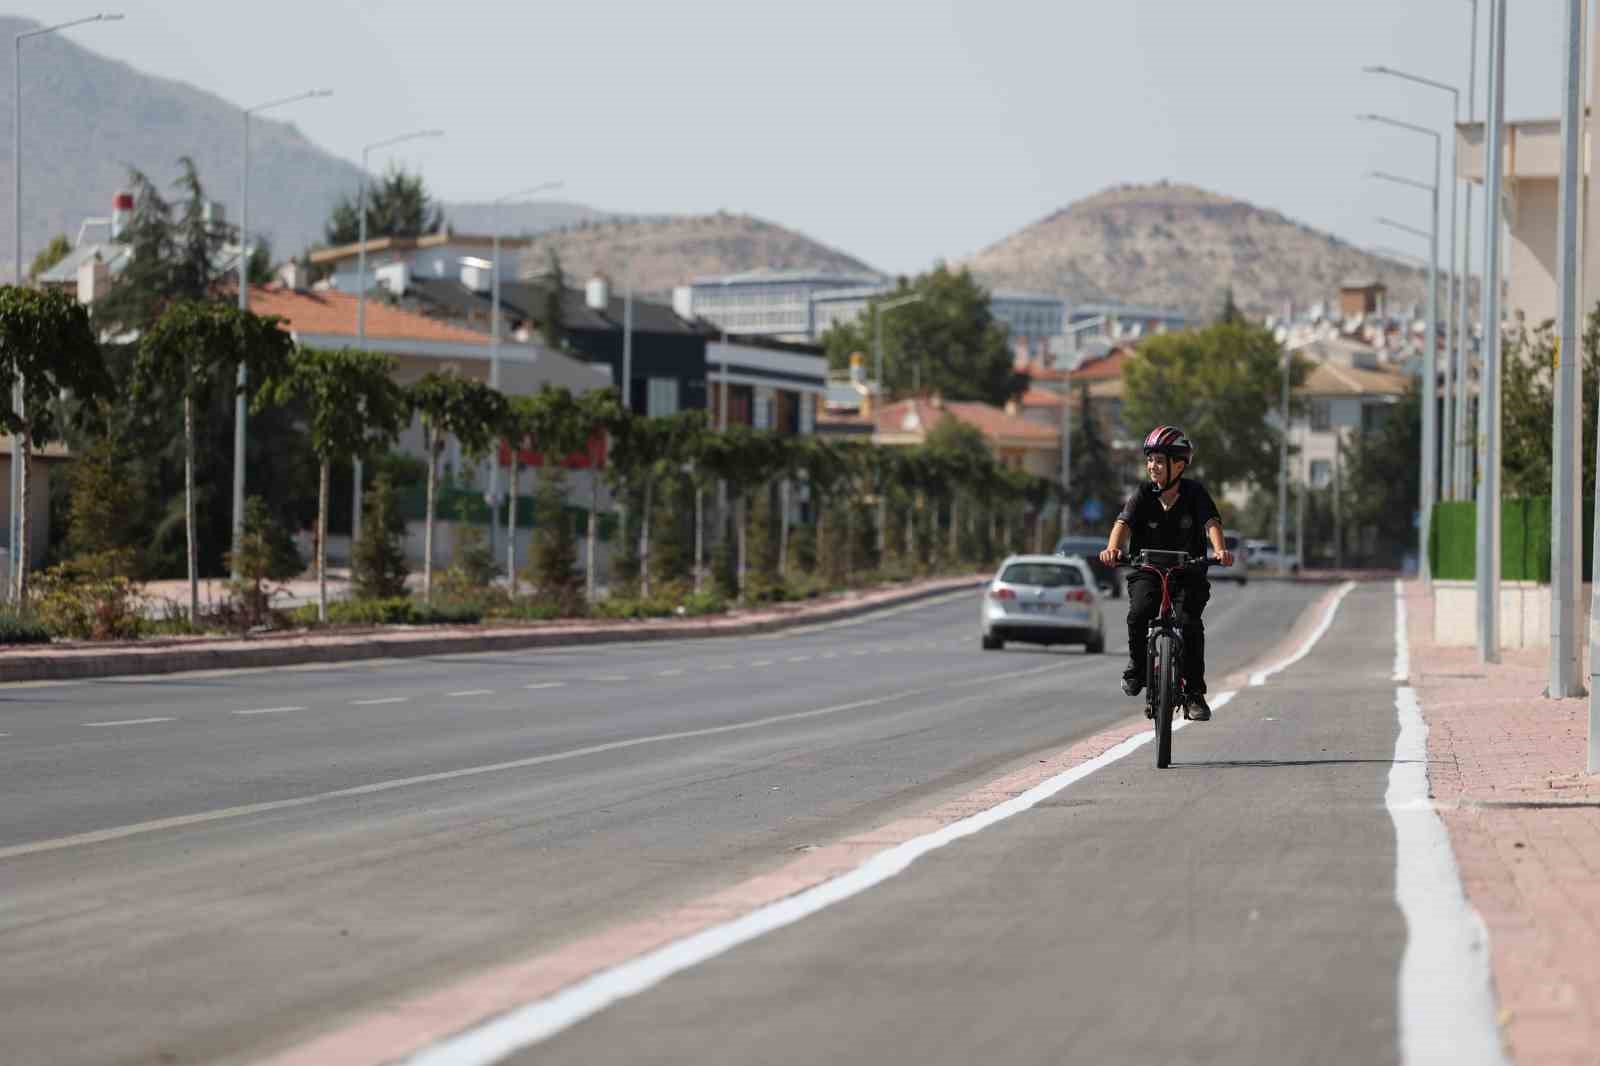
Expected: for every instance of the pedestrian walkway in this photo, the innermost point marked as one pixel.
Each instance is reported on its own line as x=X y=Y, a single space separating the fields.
x=1507 y=769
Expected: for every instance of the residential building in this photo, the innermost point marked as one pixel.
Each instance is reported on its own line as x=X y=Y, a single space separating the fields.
x=765 y=303
x=766 y=385
x=1015 y=441
x=1347 y=392
x=1031 y=318
x=49 y=463
x=393 y=261
x=1120 y=322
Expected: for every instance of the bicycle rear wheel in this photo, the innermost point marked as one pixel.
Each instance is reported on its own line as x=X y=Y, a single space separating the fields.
x=1166 y=695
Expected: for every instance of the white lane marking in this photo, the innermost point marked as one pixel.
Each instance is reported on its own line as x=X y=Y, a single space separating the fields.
x=1447 y=1008
x=1402 y=643
x=762 y=662
x=374 y=703
x=546 y=684
x=542 y=1019
x=471 y=692
x=798 y=659
x=860 y=652
x=1259 y=678
x=99 y=836
x=128 y=721
x=830 y=655
x=670 y=673
x=271 y=710
x=720 y=667
x=607 y=677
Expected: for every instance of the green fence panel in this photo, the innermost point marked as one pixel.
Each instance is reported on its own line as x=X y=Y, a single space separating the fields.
x=1524 y=540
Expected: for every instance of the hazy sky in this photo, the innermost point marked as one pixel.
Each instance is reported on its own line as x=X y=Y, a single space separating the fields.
x=900 y=132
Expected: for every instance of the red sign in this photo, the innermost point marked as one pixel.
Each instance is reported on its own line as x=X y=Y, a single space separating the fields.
x=592 y=457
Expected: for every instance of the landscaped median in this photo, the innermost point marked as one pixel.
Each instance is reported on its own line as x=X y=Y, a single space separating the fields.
x=70 y=660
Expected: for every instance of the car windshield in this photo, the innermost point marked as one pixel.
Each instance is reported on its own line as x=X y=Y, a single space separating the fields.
x=1044 y=575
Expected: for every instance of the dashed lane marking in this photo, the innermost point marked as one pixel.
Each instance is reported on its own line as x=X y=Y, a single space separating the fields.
x=471 y=692
x=374 y=703
x=270 y=710
x=670 y=673
x=546 y=684
x=128 y=721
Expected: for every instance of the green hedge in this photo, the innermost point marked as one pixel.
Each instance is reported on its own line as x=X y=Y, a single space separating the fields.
x=1524 y=540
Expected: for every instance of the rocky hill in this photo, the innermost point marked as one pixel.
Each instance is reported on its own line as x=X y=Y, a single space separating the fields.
x=1177 y=246
x=656 y=254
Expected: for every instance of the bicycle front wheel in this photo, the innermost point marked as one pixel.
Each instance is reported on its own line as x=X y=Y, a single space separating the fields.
x=1166 y=695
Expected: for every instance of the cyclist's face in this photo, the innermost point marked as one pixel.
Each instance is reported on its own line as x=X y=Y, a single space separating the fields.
x=1160 y=469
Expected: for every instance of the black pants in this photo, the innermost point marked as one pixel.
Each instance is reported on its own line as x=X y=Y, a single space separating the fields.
x=1189 y=600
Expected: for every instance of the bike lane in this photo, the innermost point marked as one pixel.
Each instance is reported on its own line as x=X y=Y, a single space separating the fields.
x=1239 y=907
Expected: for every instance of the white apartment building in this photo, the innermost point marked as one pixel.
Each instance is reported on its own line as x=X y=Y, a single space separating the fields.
x=763 y=302
x=1033 y=316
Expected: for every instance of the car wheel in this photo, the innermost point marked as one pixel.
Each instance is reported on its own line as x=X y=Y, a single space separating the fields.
x=992 y=643
x=1096 y=644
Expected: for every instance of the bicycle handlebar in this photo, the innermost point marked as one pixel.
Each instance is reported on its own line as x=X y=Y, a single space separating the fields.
x=1202 y=562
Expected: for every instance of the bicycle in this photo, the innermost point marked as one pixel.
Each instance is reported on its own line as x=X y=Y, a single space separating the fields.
x=1164 y=688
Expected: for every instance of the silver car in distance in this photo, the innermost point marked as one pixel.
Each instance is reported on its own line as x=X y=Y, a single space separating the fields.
x=1043 y=599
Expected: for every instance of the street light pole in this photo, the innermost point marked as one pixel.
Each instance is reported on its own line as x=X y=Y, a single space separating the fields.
x=361 y=299
x=15 y=534
x=1454 y=363
x=1283 y=439
x=1463 y=455
x=240 y=408
x=1566 y=530
x=1488 y=540
x=878 y=311
x=1430 y=370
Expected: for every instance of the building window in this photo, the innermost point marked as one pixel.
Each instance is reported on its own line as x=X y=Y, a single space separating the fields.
x=1321 y=473
x=1321 y=416
x=662 y=398
x=1374 y=416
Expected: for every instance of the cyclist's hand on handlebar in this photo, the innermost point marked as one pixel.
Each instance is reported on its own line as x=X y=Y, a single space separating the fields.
x=1112 y=557
x=1226 y=558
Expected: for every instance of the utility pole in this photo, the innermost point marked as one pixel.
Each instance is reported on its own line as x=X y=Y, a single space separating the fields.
x=1066 y=455
x=1283 y=441
x=1566 y=531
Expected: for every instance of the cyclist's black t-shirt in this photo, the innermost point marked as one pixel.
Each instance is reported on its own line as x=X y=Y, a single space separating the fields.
x=1182 y=529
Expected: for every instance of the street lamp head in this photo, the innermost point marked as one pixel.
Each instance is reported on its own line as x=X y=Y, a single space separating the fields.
x=317 y=94
x=1377 y=68
x=109 y=17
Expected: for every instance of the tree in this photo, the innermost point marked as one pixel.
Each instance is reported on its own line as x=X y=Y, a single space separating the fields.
x=947 y=342
x=51 y=254
x=48 y=349
x=553 y=567
x=186 y=354
x=550 y=317
x=352 y=407
x=452 y=406
x=1220 y=384
x=378 y=561
x=1094 y=471
x=967 y=464
x=1230 y=315
x=554 y=422
x=597 y=410
x=1381 y=482
x=398 y=205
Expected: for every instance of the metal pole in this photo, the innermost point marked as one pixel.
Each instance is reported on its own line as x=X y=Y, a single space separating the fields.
x=1283 y=443
x=1066 y=457
x=1430 y=375
x=242 y=378
x=494 y=377
x=361 y=342
x=1488 y=539
x=627 y=349
x=1452 y=343
x=1463 y=457
x=1566 y=532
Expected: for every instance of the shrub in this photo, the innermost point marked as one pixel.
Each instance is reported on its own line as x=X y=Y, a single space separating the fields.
x=397 y=610
x=260 y=556
x=21 y=629
x=552 y=569
x=86 y=600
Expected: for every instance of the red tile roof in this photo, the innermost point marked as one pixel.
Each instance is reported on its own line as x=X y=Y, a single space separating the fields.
x=334 y=313
x=897 y=420
x=1105 y=366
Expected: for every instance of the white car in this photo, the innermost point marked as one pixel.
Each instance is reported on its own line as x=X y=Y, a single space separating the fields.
x=1043 y=599
x=1264 y=555
x=1240 y=570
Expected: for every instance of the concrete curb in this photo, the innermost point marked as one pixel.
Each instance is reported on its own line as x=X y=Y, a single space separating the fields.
x=264 y=652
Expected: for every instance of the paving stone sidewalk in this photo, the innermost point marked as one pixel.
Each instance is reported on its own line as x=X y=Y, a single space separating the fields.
x=1507 y=768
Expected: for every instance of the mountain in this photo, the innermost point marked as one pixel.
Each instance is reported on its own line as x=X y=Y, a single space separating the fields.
x=654 y=255
x=1172 y=245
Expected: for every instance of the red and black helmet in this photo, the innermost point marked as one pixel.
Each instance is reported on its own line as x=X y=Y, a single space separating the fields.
x=1169 y=441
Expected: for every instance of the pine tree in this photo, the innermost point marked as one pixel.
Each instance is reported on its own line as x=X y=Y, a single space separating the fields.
x=553 y=563
x=379 y=570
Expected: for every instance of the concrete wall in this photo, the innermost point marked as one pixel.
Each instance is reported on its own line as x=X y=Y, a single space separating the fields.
x=38 y=504
x=1524 y=614
x=1531 y=259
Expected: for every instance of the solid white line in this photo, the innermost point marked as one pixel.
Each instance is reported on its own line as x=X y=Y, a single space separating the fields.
x=542 y=1019
x=1402 y=642
x=546 y=684
x=128 y=721
x=99 y=836
x=271 y=710
x=374 y=703
x=1259 y=678
x=471 y=692
x=1447 y=1009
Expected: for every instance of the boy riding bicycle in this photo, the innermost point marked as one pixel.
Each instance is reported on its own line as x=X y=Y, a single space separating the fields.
x=1170 y=514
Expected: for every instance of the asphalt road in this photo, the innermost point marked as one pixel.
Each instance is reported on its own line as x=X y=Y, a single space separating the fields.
x=208 y=867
